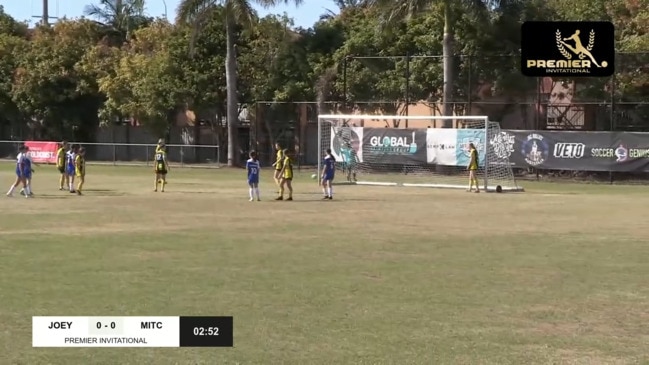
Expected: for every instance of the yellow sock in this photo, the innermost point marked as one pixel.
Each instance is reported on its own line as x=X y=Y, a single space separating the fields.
x=281 y=191
x=61 y=181
x=80 y=186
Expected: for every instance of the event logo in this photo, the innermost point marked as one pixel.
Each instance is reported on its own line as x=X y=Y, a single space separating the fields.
x=393 y=145
x=535 y=149
x=502 y=145
x=621 y=154
x=569 y=150
x=577 y=49
x=477 y=142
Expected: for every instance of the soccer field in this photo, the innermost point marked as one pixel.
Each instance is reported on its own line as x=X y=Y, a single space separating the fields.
x=379 y=275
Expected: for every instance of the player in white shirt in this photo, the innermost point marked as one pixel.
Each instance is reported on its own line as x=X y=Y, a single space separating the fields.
x=23 y=171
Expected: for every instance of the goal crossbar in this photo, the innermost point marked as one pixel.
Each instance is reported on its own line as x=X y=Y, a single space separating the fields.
x=384 y=156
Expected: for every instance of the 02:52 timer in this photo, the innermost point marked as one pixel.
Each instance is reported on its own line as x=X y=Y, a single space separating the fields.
x=206 y=331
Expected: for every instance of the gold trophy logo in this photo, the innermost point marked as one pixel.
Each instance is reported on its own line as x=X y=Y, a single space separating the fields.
x=578 y=49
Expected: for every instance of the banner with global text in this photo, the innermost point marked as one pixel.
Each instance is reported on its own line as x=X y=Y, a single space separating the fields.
x=394 y=146
x=552 y=150
x=42 y=152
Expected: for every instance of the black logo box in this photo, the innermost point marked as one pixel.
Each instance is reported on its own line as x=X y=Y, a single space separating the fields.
x=539 y=42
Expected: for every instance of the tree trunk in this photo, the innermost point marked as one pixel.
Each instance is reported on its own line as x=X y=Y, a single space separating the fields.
x=447 y=50
x=232 y=113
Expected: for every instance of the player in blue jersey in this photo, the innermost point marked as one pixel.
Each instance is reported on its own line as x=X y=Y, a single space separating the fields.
x=70 y=168
x=27 y=173
x=21 y=172
x=253 y=167
x=328 y=172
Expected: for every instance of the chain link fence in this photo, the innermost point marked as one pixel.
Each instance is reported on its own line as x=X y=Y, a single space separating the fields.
x=133 y=154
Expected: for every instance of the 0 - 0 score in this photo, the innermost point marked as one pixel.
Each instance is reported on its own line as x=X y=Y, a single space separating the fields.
x=112 y=325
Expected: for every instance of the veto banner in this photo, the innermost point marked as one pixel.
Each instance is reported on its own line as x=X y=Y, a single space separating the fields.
x=579 y=151
x=394 y=146
x=42 y=152
x=551 y=150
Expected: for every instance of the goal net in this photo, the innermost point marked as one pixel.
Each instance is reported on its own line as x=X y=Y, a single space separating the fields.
x=416 y=151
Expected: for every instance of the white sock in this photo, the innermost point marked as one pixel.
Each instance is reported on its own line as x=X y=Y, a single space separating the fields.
x=257 y=193
x=250 y=192
x=11 y=190
x=324 y=191
x=331 y=191
x=71 y=185
x=28 y=190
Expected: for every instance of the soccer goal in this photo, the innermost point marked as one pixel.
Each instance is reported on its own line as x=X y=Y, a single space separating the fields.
x=370 y=150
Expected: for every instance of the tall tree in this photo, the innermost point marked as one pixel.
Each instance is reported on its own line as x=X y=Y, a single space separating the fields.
x=237 y=13
x=47 y=85
x=121 y=17
x=397 y=11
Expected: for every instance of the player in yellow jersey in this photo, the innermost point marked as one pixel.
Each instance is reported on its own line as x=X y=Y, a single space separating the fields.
x=279 y=159
x=60 y=164
x=80 y=168
x=473 y=167
x=161 y=167
x=286 y=177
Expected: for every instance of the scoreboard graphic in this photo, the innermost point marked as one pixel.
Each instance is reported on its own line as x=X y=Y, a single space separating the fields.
x=132 y=331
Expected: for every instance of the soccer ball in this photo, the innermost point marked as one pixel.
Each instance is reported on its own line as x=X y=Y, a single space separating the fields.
x=314 y=176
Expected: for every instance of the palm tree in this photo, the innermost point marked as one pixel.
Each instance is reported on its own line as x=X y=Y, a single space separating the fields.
x=397 y=11
x=121 y=17
x=237 y=13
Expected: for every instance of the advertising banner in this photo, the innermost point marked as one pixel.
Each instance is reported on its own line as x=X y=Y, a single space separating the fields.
x=42 y=152
x=441 y=144
x=464 y=138
x=501 y=147
x=346 y=144
x=394 y=146
x=580 y=151
x=551 y=150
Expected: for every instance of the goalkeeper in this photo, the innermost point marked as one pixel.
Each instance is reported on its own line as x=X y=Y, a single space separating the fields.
x=473 y=168
x=350 y=158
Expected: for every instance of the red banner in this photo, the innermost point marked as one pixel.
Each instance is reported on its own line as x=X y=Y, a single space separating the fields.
x=42 y=152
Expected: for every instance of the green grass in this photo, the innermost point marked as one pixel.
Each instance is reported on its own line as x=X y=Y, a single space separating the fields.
x=380 y=275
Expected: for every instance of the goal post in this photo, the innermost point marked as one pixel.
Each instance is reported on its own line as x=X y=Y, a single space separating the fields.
x=378 y=150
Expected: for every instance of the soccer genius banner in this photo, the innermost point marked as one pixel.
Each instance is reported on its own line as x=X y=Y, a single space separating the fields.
x=579 y=151
x=42 y=152
x=394 y=146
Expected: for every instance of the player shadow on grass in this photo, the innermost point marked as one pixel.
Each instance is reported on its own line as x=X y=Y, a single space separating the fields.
x=51 y=196
x=103 y=192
